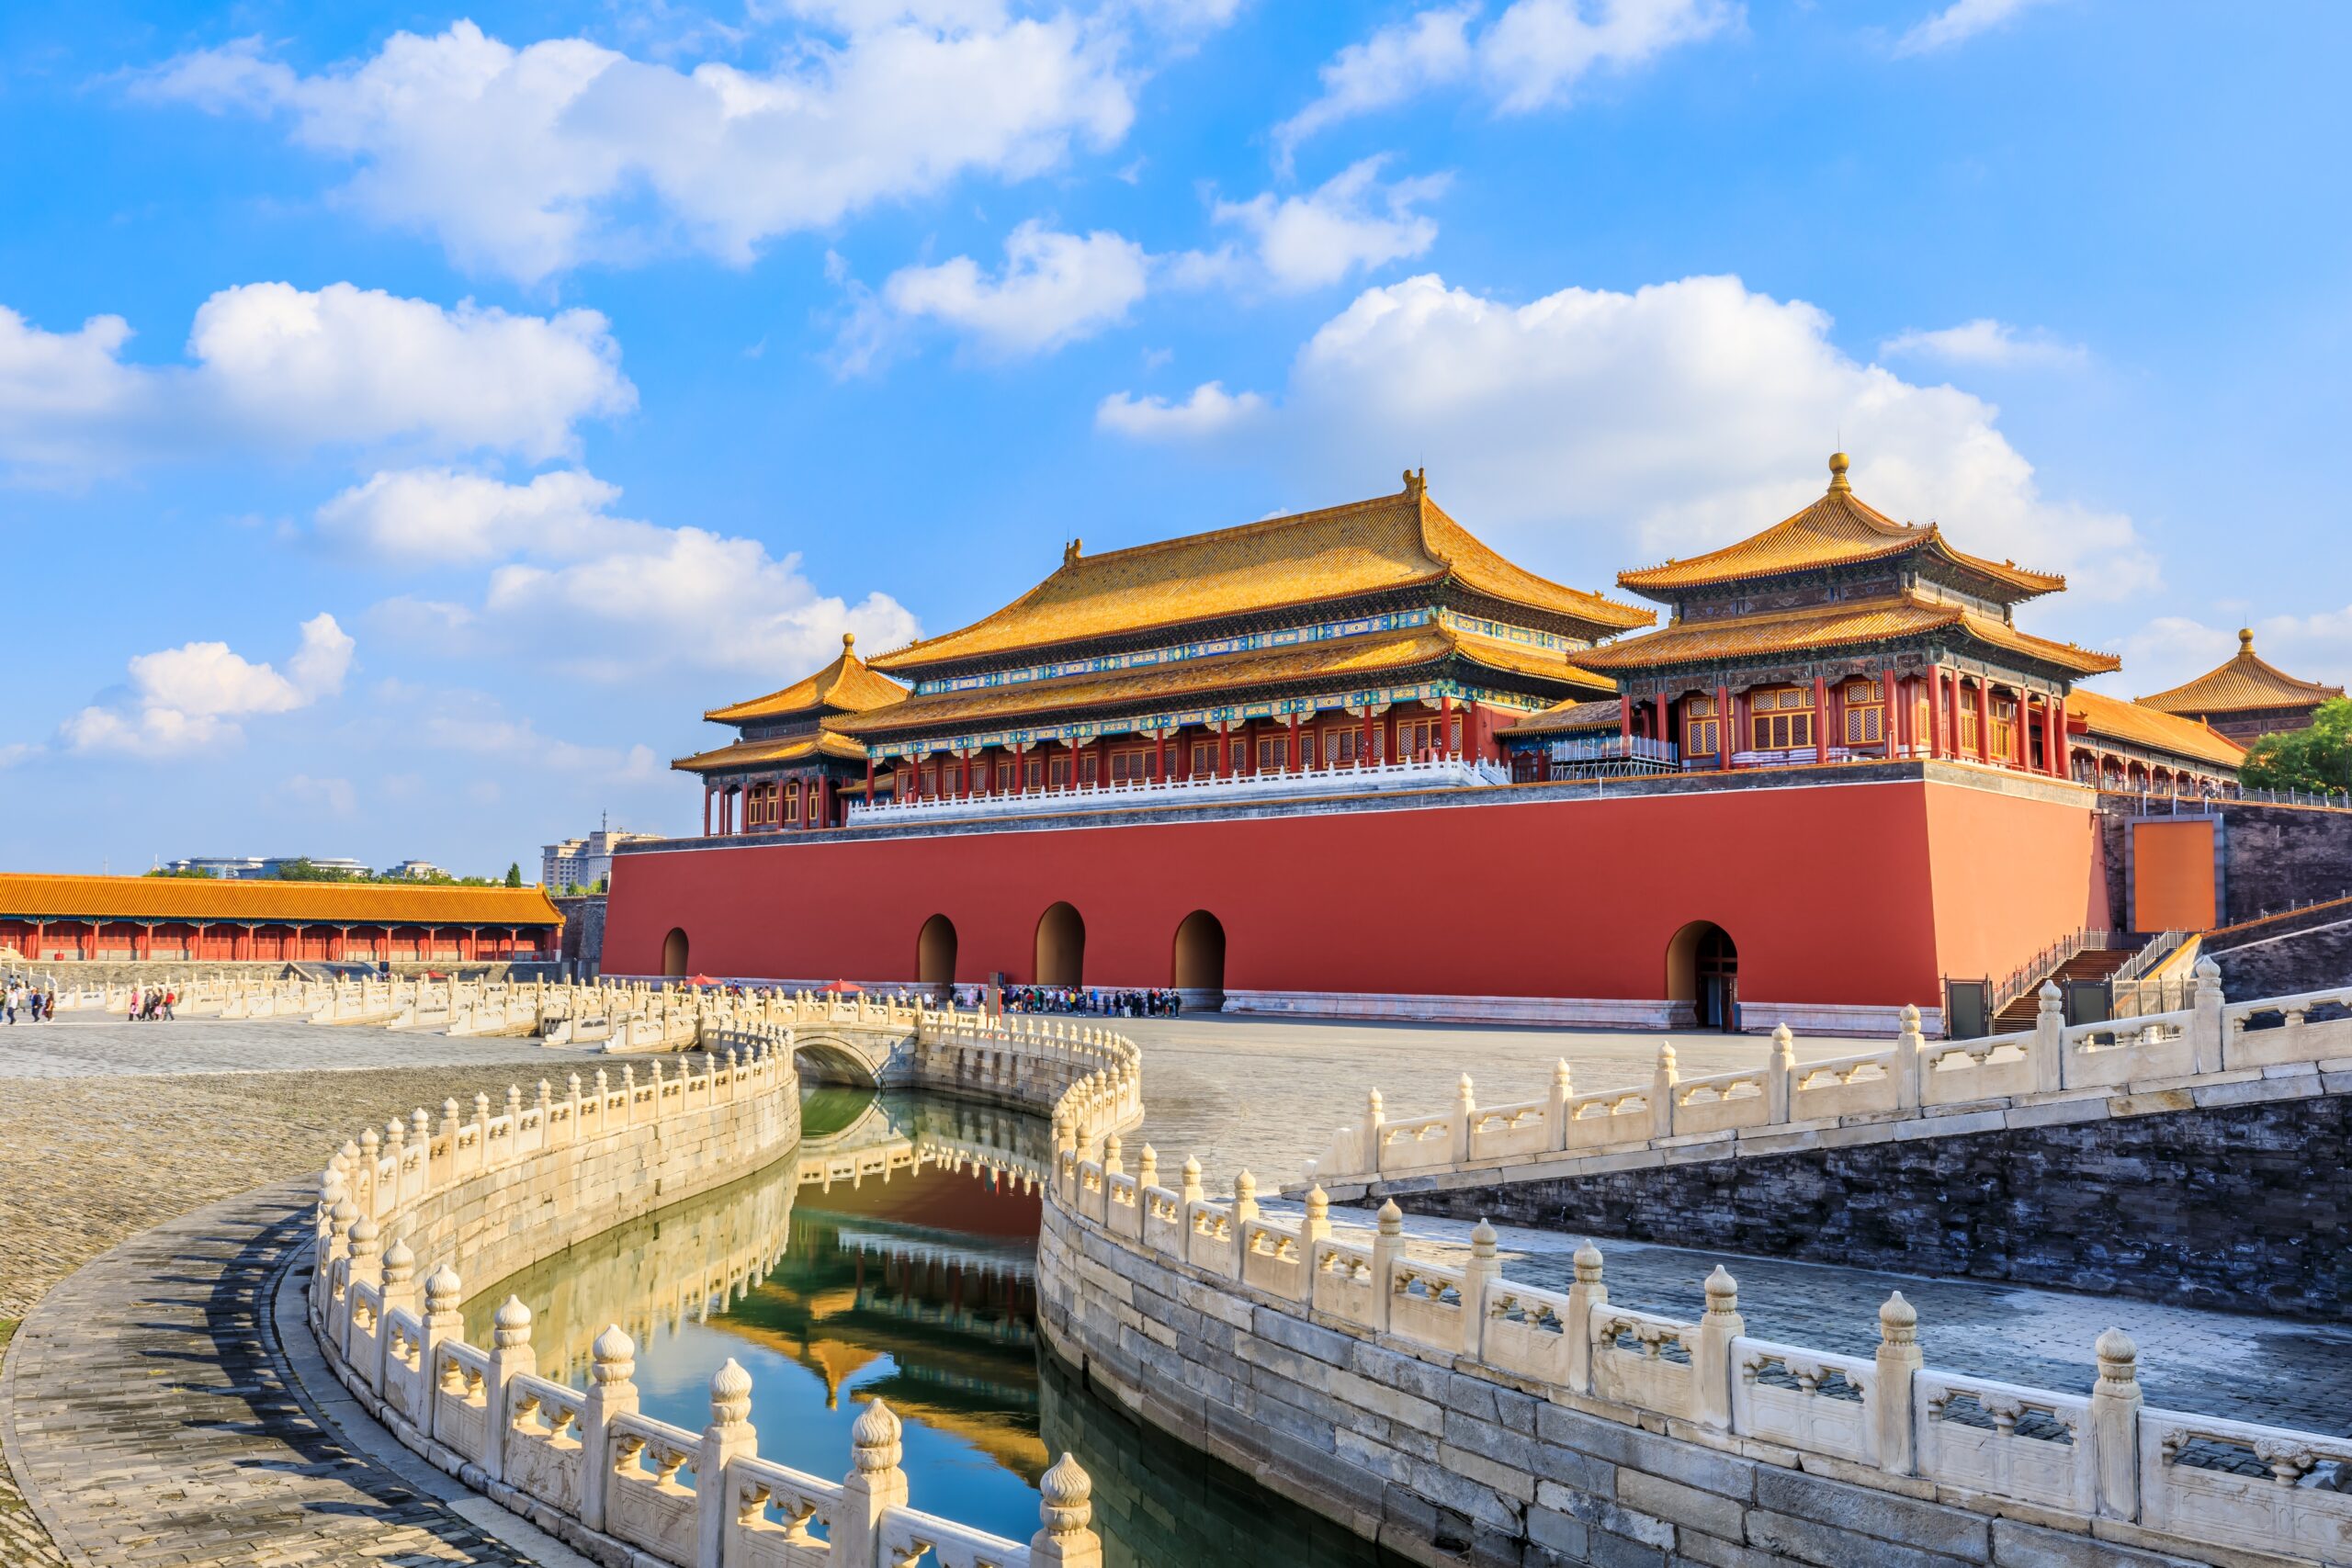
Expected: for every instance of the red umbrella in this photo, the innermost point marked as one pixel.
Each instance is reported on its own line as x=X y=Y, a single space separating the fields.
x=700 y=980
x=844 y=988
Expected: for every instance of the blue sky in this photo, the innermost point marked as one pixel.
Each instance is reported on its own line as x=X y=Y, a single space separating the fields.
x=412 y=419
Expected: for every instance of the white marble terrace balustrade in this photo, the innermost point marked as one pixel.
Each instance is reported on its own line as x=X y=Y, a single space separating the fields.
x=1424 y=772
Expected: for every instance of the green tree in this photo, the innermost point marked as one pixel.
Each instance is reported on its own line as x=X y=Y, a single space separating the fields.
x=202 y=873
x=301 y=869
x=515 y=874
x=2318 y=758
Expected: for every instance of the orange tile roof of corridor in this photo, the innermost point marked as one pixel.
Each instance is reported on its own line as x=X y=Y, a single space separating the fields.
x=36 y=896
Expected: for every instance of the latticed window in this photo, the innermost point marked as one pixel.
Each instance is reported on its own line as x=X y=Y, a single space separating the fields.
x=1779 y=719
x=1966 y=740
x=1058 y=771
x=1089 y=768
x=2005 y=724
x=1419 y=735
x=1273 y=753
x=1865 y=712
x=1703 y=728
x=1203 y=758
x=1345 y=745
x=1033 y=772
x=1130 y=767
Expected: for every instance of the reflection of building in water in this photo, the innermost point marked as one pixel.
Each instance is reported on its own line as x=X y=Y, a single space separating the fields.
x=1158 y=1502
x=895 y=1249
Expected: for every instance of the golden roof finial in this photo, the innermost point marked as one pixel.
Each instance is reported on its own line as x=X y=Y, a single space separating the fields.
x=1837 y=479
x=2245 y=639
x=849 y=641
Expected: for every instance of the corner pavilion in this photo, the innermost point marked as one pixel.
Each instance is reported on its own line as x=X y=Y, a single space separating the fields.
x=2246 y=698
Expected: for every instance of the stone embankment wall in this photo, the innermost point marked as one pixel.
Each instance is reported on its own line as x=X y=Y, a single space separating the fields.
x=583 y=955
x=2201 y=1152
x=2303 y=952
x=2246 y=1208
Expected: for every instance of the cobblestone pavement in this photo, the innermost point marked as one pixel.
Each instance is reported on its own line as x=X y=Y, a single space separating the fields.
x=149 y=1411
x=1267 y=1093
x=93 y=1046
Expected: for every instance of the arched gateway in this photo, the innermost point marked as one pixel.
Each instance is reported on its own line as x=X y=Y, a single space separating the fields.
x=935 y=953
x=1703 y=968
x=1061 y=947
x=1199 y=969
x=674 y=953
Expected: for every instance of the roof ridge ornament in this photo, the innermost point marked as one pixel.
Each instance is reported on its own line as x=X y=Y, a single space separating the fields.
x=1838 y=481
x=1416 y=484
x=1071 y=551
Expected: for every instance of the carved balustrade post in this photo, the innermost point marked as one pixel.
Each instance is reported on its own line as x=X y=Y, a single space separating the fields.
x=874 y=1484
x=1387 y=1251
x=1555 y=1109
x=610 y=1393
x=365 y=1268
x=1111 y=1149
x=1662 y=1084
x=1065 y=1511
x=481 y=1130
x=1781 y=1076
x=1587 y=1293
x=1904 y=1067
x=443 y=1319
x=400 y=1292
x=2115 y=1425
x=2050 y=1038
x=1482 y=1272
x=1899 y=1359
x=1370 y=1155
x=1465 y=1112
x=333 y=1220
x=1710 y=1367
x=2209 y=1035
x=729 y=1437
x=510 y=1356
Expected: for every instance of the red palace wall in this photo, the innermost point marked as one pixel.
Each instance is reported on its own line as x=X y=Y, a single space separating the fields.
x=1855 y=893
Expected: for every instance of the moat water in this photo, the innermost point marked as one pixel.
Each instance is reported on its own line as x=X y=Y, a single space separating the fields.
x=918 y=1288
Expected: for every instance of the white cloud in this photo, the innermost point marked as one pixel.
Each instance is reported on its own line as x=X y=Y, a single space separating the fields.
x=188 y=697
x=272 y=367
x=335 y=796
x=1532 y=56
x=530 y=161
x=1053 y=290
x=425 y=516
x=482 y=730
x=1350 y=222
x=1988 y=342
x=1961 y=20
x=657 y=596
x=1210 y=411
x=1670 y=420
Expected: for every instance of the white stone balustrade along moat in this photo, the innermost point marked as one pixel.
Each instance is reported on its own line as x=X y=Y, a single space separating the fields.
x=2066 y=1460
x=1917 y=1085
x=499 y=1189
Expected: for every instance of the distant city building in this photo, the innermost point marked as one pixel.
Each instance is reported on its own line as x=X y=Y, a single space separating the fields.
x=584 y=862
x=415 y=871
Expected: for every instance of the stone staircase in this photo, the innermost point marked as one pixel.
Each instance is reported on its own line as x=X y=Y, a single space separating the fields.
x=2091 y=963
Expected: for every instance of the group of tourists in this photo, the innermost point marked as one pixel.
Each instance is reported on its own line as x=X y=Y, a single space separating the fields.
x=1158 y=1002
x=29 y=1002
x=149 y=1003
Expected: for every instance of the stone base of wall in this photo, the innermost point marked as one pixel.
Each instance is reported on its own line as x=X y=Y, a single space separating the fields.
x=1862 y=1020
x=1580 y=1012
x=2233 y=1195
x=1447 y=1467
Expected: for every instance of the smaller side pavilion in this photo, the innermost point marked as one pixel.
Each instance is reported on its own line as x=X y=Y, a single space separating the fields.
x=787 y=772
x=2246 y=698
x=199 y=919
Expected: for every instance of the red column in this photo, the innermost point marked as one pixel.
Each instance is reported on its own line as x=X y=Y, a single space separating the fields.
x=1983 y=720
x=824 y=800
x=1625 y=717
x=869 y=778
x=1722 y=728
x=1951 y=715
x=1888 y=714
x=1294 y=759
x=1159 y=755
x=1820 y=720
x=1445 y=723
x=706 y=811
x=2059 y=760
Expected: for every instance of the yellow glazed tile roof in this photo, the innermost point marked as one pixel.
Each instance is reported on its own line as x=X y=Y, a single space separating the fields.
x=1832 y=625
x=1378 y=654
x=848 y=684
x=785 y=749
x=25 y=894
x=1395 y=541
x=1837 y=530
x=2112 y=718
x=2245 y=682
x=1569 y=717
